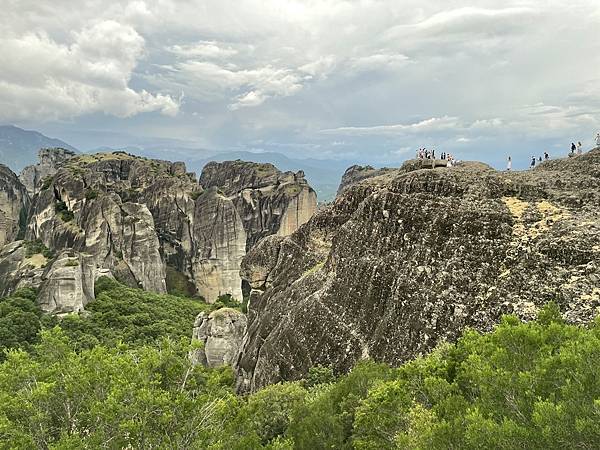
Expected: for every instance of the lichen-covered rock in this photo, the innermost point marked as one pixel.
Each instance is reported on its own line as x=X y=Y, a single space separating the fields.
x=14 y=203
x=403 y=261
x=67 y=283
x=268 y=201
x=49 y=160
x=221 y=334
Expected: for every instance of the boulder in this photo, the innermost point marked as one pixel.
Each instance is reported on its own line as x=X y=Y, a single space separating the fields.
x=221 y=334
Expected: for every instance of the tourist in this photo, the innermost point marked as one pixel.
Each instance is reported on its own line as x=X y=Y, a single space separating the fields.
x=540 y=159
x=573 y=148
x=532 y=165
x=579 y=148
x=509 y=164
x=598 y=139
x=546 y=156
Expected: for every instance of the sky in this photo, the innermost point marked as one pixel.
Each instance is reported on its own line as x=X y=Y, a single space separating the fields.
x=365 y=80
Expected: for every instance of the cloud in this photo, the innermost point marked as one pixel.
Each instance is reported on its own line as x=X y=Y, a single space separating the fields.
x=434 y=124
x=89 y=74
x=204 y=49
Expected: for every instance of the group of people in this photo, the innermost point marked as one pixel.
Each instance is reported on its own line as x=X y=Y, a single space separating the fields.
x=576 y=149
x=424 y=153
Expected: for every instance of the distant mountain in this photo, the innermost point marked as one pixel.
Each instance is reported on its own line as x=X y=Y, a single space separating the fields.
x=19 y=148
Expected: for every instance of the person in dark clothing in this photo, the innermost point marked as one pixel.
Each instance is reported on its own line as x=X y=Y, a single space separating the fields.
x=546 y=156
x=532 y=162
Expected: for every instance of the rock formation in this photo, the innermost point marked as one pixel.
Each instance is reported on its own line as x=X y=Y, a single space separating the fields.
x=355 y=174
x=146 y=222
x=221 y=245
x=403 y=261
x=13 y=205
x=49 y=160
x=267 y=200
x=67 y=284
x=221 y=334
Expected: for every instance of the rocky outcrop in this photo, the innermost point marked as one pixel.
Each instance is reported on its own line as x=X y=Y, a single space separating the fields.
x=14 y=203
x=49 y=160
x=404 y=261
x=355 y=174
x=268 y=201
x=220 y=333
x=220 y=246
x=67 y=284
x=20 y=267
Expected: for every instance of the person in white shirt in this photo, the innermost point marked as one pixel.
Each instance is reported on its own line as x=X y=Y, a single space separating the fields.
x=598 y=139
x=579 y=152
x=509 y=164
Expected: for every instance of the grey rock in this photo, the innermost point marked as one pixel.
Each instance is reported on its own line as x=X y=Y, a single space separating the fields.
x=67 y=284
x=49 y=160
x=405 y=260
x=268 y=201
x=14 y=203
x=221 y=334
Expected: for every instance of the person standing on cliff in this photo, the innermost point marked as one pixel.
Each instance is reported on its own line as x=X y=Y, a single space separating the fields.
x=546 y=156
x=579 y=152
x=509 y=164
x=598 y=139
x=532 y=165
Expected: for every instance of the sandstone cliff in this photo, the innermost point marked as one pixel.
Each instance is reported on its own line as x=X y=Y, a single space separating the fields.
x=403 y=261
x=268 y=201
x=49 y=160
x=14 y=202
x=146 y=222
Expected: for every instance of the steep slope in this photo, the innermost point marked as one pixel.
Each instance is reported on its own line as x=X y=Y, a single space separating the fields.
x=14 y=202
x=405 y=260
x=268 y=201
x=19 y=148
x=49 y=160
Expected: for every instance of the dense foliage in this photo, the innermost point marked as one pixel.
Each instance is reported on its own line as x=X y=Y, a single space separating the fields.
x=524 y=386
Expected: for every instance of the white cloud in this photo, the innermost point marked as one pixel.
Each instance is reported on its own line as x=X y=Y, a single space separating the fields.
x=42 y=78
x=204 y=49
x=434 y=124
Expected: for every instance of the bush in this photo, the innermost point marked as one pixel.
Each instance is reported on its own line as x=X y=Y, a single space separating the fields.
x=37 y=247
x=91 y=194
x=63 y=211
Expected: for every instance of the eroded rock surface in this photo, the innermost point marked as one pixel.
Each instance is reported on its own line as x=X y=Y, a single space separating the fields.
x=14 y=203
x=405 y=260
x=268 y=201
x=221 y=334
x=355 y=174
x=49 y=160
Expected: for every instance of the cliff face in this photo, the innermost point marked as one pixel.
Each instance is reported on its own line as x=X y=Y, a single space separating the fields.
x=14 y=203
x=405 y=260
x=49 y=160
x=146 y=222
x=267 y=200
